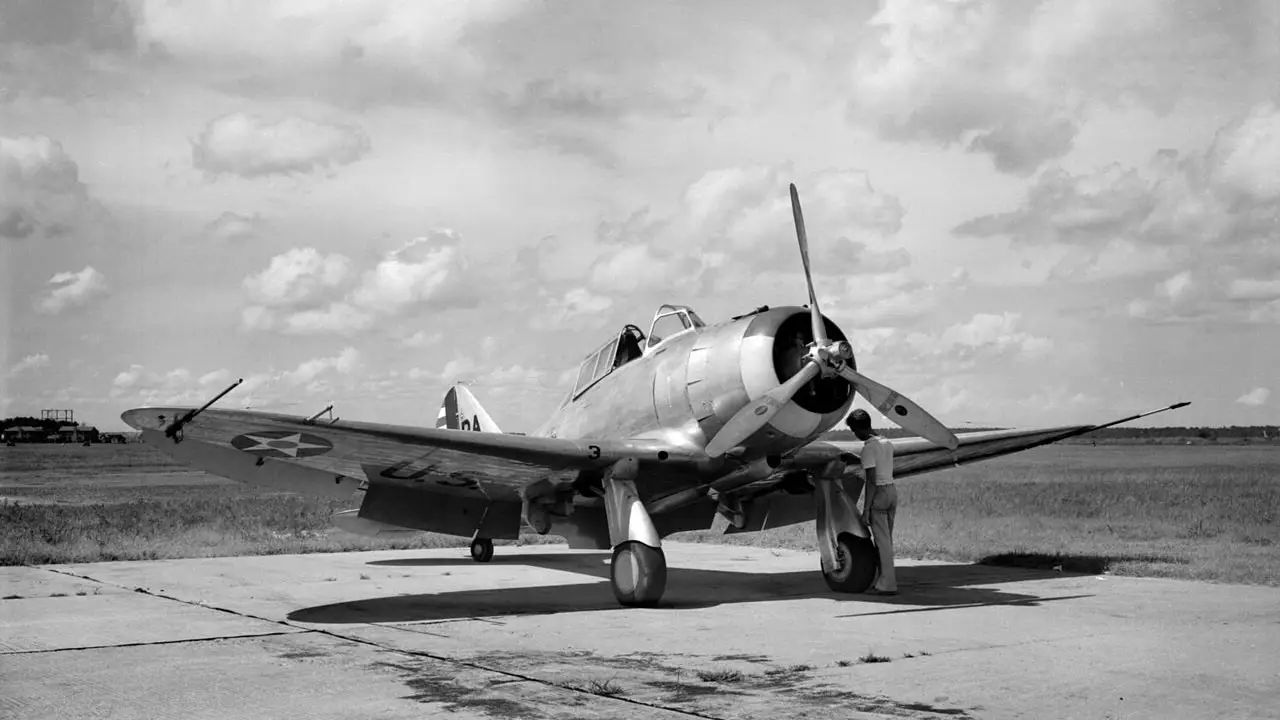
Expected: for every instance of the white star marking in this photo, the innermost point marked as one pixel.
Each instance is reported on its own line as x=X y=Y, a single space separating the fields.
x=264 y=443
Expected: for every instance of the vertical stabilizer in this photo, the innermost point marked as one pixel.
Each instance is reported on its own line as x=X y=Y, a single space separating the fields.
x=461 y=411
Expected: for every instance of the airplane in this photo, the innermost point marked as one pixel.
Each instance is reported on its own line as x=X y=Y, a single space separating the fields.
x=662 y=432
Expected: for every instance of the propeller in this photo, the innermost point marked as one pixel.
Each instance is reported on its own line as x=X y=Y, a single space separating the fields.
x=815 y=315
x=826 y=359
x=900 y=409
x=751 y=418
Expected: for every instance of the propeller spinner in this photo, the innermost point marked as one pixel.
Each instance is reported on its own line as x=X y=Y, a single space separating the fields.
x=826 y=359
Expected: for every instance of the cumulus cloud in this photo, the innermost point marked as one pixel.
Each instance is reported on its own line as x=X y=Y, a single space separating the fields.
x=336 y=317
x=126 y=379
x=983 y=340
x=267 y=389
x=30 y=362
x=578 y=307
x=72 y=289
x=149 y=387
x=422 y=339
x=296 y=292
x=522 y=66
x=215 y=377
x=305 y=292
x=735 y=225
x=428 y=270
x=1256 y=397
x=1205 y=221
x=880 y=299
x=285 y=33
x=233 y=227
x=252 y=146
x=309 y=371
x=749 y=210
x=40 y=189
x=517 y=375
x=1205 y=293
x=556 y=259
x=297 y=278
x=1245 y=154
x=987 y=333
x=1014 y=80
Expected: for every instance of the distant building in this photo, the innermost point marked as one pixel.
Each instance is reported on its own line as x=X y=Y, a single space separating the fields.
x=24 y=433
x=77 y=433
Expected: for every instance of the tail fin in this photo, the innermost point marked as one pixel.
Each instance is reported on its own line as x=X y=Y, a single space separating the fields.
x=461 y=411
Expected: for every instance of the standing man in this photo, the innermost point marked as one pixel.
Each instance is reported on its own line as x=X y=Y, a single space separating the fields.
x=881 y=502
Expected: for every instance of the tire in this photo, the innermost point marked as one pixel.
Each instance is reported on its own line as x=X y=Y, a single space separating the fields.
x=638 y=574
x=858 y=562
x=482 y=550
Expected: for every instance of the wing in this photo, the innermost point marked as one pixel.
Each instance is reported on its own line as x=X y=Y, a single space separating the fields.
x=291 y=453
x=912 y=456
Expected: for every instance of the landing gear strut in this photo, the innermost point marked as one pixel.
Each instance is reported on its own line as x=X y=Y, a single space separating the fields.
x=849 y=558
x=638 y=571
x=482 y=550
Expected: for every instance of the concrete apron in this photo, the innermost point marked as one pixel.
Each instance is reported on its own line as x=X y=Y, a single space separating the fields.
x=742 y=633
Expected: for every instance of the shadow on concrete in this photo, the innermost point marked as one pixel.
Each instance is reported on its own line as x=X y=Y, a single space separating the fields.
x=1083 y=564
x=559 y=560
x=923 y=587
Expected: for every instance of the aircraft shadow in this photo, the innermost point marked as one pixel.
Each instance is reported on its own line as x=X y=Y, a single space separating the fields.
x=925 y=587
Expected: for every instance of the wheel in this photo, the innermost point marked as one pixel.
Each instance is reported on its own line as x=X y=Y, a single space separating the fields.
x=482 y=549
x=857 y=561
x=638 y=574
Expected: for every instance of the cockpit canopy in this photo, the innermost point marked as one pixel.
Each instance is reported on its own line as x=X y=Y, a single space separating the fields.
x=619 y=351
x=672 y=320
x=631 y=344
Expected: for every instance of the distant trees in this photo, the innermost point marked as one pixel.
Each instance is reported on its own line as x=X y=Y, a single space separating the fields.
x=49 y=426
x=1211 y=434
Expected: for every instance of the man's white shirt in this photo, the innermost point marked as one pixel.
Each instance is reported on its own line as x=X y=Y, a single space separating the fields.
x=878 y=453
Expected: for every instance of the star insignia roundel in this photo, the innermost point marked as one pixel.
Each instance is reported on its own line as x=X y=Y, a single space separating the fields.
x=281 y=444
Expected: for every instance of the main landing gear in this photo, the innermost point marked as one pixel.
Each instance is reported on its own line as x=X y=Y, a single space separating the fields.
x=856 y=564
x=849 y=558
x=638 y=571
x=482 y=549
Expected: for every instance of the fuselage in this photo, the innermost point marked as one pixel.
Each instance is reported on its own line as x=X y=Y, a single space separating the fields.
x=686 y=387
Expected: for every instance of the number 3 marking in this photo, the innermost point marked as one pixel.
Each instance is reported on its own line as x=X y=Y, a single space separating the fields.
x=593 y=451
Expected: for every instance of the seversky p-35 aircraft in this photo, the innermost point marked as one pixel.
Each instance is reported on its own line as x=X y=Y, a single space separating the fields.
x=662 y=433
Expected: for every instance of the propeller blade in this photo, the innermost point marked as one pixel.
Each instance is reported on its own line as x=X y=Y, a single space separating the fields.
x=815 y=315
x=901 y=409
x=754 y=416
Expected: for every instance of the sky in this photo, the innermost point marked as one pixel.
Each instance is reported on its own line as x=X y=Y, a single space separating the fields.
x=1021 y=213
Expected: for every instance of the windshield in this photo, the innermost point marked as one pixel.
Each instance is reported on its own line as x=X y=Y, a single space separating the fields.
x=672 y=320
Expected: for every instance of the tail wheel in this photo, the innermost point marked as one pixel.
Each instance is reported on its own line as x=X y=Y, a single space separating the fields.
x=638 y=574
x=857 y=562
x=482 y=549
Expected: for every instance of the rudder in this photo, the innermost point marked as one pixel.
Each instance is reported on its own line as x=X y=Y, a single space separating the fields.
x=461 y=411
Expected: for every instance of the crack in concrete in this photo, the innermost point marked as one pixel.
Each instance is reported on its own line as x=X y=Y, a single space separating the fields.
x=361 y=641
x=153 y=642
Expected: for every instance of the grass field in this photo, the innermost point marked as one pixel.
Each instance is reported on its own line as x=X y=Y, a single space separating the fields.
x=1205 y=512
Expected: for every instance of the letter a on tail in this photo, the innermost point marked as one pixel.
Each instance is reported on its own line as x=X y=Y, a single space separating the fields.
x=461 y=411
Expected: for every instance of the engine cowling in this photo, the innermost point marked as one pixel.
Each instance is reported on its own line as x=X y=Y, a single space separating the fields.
x=739 y=362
